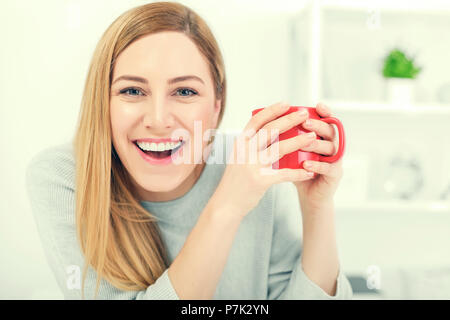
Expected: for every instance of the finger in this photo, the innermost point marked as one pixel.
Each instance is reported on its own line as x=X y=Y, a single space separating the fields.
x=286 y=174
x=323 y=110
x=270 y=132
x=323 y=129
x=317 y=166
x=279 y=149
x=324 y=147
x=264 y=116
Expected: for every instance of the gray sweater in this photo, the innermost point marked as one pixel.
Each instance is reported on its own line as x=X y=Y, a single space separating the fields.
x=263 y=263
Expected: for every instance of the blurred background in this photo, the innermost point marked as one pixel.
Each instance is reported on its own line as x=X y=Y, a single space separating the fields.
x=381 y=66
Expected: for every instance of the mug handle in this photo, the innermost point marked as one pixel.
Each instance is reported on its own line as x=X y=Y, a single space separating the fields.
x=341 y=149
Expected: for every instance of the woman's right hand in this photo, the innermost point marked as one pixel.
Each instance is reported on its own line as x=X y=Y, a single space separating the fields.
x=249 y=172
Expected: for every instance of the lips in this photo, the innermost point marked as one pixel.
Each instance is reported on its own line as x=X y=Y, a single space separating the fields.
x=157 y=140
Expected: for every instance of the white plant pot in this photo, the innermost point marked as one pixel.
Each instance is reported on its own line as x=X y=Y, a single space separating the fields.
x=400 y=91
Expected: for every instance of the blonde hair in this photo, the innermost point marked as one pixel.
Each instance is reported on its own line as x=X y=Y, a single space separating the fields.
x=118 y=237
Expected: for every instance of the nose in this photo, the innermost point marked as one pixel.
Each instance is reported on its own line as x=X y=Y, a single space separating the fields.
x=158 y=116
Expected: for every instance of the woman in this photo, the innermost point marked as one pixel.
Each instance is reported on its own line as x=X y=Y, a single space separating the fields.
x=147 y=227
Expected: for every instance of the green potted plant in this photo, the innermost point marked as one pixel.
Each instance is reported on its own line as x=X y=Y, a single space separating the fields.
x=400 y=72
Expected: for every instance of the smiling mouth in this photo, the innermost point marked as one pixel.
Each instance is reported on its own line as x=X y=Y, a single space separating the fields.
x=160 y=154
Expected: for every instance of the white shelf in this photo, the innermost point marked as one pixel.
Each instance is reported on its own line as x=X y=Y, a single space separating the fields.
x=395 y=206
x=310 y=27
x=379 y=107
x=430 y=6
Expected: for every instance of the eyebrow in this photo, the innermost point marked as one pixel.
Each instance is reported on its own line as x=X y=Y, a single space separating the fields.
x=170 y=81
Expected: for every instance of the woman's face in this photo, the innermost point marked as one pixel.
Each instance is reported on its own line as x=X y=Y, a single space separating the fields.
x=146 y=103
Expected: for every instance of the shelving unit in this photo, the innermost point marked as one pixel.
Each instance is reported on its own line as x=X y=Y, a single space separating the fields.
x=316 y=33
x=309 y=27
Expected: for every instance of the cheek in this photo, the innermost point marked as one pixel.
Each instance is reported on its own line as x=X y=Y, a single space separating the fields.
x=203 y=116
x=123 y=117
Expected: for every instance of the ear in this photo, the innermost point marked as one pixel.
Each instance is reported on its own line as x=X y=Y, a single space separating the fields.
x=217 y=108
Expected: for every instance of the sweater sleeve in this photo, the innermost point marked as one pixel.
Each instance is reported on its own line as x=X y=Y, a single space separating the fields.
x=51 y=193
x=287 y=280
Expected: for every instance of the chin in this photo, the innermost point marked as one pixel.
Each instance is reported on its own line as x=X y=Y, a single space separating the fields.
x=155 y=183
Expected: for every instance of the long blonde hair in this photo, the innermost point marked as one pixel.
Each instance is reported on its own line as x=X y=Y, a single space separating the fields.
x=118 y=237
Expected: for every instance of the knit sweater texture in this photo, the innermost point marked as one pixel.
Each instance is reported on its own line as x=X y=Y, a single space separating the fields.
x=264 y=261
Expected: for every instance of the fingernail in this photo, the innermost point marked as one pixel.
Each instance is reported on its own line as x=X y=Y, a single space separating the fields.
x=307 y=164
x=310 y=174
x=307 y=123
x=302 y=112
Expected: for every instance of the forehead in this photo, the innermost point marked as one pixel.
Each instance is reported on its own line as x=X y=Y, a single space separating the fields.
x=162 y=55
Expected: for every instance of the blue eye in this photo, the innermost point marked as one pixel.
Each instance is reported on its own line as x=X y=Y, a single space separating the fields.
x=187 y=90
x=134 y=90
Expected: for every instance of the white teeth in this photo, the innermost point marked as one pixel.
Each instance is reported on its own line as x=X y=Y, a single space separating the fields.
x=158 y=146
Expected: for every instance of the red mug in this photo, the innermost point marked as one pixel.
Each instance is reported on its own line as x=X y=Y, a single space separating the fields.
x=295 y=159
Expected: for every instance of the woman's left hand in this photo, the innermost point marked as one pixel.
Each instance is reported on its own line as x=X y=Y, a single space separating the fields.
x=319 y=190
